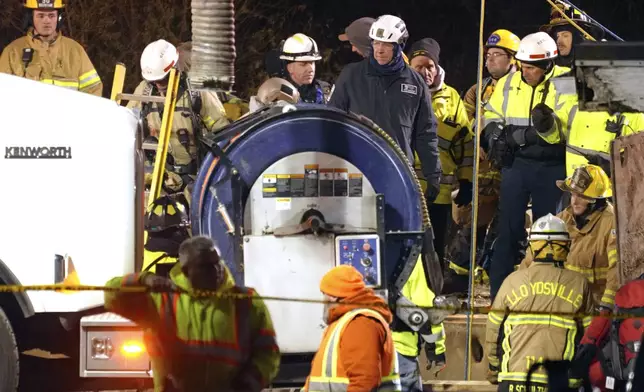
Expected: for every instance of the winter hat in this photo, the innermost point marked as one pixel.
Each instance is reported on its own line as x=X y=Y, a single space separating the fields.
x=342 y=281
x=425 y=47
x=358 y=34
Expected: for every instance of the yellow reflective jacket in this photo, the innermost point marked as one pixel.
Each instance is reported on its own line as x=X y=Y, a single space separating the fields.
x=513 y=100
x=455 y=145
x=520 y=332
x=62 y=62
x=417 y=291
x=588 y=134
x=220 y=343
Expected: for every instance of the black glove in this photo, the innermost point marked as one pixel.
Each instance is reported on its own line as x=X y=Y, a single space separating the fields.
x=543 y=117
x=158 y=283
x=521 y=136
x=464 y=196
x=598 y=160
x=583 y=358
x=431 y=193
x=433 y=359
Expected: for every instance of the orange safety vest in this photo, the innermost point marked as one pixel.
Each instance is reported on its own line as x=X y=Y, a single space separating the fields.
x=327 y=372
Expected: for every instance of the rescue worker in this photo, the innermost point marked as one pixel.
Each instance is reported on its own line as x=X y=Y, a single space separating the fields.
x=168 y=225
x=500 y=48
x=567 y=35
x=388 y=92
x=408 y=343
x=523 y=135
x=357 y=352
x=274 y=91
x=590 y=219
x=300 y=53
x=45 y=55
x=223 y=340
x=520 y=332
x=590 y=133
x=196 y=113
x=357 y=34
x=456 y=149
x=235 y=107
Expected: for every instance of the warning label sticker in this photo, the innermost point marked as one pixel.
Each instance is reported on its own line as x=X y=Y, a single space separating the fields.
x=269 y=185
x=311 y=177
x=326 y=182
x=355 y=185
x=340 y=182
x=314 y=182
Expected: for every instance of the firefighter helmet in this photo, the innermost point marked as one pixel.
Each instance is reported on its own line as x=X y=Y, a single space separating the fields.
x=300 y=47
x=167 y=212
x=157 y=60
x=277 y=89
x=44 y=4
x=589 y=181
x=503 y=39
x=556 y=20
x=537 y=47
x=549 y=240
x=389 y=28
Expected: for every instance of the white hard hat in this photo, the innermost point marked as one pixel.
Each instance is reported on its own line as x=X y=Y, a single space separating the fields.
x=157 y=60
x=549 y=228
x=537 y=47
x=300 y=47
x=389 y=28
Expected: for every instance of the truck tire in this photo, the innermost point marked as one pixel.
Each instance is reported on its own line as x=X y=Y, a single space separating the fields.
x=9 y=367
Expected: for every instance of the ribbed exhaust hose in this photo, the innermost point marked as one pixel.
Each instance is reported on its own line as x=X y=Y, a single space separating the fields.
x=213 y=45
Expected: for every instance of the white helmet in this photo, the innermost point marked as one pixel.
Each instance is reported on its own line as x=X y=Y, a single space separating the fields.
x=157 y=60
x=300 y=47
x=389 y=28
x=549 y=228
x=537 y=47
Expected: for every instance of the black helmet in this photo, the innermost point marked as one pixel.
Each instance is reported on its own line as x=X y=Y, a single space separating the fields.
x=168 y=212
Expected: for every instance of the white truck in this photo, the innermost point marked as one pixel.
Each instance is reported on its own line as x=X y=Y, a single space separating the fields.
x=73 y=208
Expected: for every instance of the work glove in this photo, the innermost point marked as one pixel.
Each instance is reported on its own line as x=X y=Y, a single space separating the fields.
x=598 y=160
x=543 y=118
x=521 y=136
x=464 y=196
x=436 y=361
x=492 y=375
x=583 y=358
x=431 y=193
x=158 y=283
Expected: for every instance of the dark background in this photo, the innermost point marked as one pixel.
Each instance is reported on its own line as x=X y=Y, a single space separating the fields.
x=118 y=30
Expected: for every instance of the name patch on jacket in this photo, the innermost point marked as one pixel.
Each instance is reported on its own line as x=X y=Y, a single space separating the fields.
x=409 y=89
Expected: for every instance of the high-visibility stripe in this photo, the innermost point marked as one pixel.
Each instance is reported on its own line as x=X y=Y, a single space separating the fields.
x=535 y=377
x=130 y=280
x=447 y=179
x=592 y=274
x=88 y=79
x=208 y=121
x=444 y=143
x=507 y=86
x=612 y=258
x=61 y=83
x=467 y=162
x=495 y=318
x=571 y=119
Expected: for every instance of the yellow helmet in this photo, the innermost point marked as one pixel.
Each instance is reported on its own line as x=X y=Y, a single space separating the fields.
x=503 y=39
x=44 y=4
x=589 y=181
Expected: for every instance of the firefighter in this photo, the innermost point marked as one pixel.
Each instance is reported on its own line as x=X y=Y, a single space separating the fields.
x=591 y=223
x=357 y=352
x=523 y=135
x=221 y=339
x=520 y=332
x=168 y=225
x=274 y=91
x=590 y=132
x=455 y=144
x=298 y=54
x=388 y=92
x=196 y=113
x=45 y=55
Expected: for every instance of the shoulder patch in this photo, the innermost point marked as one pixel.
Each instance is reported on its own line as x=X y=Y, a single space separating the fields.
x=409 y=89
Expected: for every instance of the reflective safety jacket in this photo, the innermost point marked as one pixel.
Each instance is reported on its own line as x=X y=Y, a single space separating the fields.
x=62 y=62
x=470 y=97
x=512 y=102
x=418 y=292
x=328 y=371
x=455 y=145
x=209 y=108
x=593 y=253
x=235 y=107
x=521 y=332
x=213 y=343
x=588 y=134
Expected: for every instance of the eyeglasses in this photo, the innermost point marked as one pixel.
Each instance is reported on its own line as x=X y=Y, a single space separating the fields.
x=494 y=55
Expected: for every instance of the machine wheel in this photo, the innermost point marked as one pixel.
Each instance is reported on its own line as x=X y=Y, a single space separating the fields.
x=9 y=368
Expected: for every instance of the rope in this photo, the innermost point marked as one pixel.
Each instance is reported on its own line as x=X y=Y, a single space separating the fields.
x=475 y=195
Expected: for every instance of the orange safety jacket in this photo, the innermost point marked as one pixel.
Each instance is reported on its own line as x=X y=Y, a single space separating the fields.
x=223 y=342
x=327 y=370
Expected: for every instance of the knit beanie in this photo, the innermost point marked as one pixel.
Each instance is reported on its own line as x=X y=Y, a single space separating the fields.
x=427 y=47
x=342 y=281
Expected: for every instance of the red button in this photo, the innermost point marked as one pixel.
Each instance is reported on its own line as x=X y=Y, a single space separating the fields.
x=366 y=247
x=345 y=247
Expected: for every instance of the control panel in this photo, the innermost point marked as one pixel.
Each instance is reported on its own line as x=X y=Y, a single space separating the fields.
x=363 y=253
